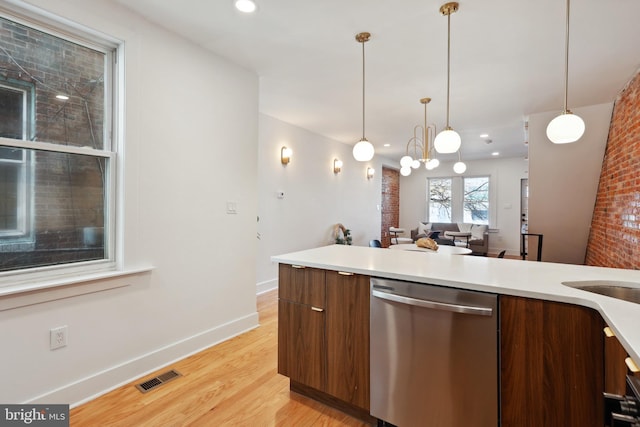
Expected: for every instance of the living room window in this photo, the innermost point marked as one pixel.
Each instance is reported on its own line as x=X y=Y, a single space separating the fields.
x=459 y=199
x=476 y=200
x=57 y=158
x=440 y=202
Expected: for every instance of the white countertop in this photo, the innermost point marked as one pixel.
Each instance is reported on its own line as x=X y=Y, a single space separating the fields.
x=531 y=279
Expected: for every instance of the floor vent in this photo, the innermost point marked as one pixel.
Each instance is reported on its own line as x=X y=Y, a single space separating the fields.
x=158 y=381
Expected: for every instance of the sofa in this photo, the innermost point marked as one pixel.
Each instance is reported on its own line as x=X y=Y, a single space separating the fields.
x=478 y=242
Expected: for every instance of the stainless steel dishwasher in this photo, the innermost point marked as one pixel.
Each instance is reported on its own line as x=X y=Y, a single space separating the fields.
x=434 y=355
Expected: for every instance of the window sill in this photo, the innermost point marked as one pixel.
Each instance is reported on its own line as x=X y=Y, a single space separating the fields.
x=50 y=290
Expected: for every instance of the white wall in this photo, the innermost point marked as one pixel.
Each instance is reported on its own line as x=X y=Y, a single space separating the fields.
x=189 y=114
x=505 y=176
x=315 y=198
x=563 y=183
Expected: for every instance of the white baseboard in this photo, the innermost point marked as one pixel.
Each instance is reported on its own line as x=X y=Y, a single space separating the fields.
x=102 y=382
x=266 y=286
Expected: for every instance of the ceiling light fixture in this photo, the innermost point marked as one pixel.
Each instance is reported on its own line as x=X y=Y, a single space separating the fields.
x=459 y=167
x=448 y=141
x=363 y=151
x=567 y=127
x=246 y=6
x=421 y=145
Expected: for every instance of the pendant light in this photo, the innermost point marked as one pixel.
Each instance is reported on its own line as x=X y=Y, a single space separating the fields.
x=459 y=167
x=448 y=141
x=567 y=127
x=363 y=151
x=421 y=146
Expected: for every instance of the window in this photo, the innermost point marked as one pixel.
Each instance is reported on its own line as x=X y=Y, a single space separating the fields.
x=459 y=199
x=15 y=98
x=476 y=200
x=440 y=200
x=57 y=159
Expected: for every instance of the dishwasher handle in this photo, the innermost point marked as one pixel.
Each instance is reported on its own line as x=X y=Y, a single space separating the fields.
x=455 y=308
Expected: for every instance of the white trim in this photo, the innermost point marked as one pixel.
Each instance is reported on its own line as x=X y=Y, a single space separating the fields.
x=64 y=287
x=266 y=286
x=58 y=148
x=93 y=386
x=56 y=25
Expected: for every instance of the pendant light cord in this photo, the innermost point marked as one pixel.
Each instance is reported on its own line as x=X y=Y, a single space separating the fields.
x=449 y=63
x=566 y=62
x=363 y=137
x=425 y=143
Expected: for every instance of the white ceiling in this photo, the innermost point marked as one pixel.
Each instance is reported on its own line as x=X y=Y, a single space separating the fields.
x=507 y=61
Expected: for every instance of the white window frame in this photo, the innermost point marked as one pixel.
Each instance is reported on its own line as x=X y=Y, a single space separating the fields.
x=22 y=233
x=457 y=197
x=38 y=278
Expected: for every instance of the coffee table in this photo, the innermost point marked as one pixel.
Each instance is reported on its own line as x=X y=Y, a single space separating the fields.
x=454 y=234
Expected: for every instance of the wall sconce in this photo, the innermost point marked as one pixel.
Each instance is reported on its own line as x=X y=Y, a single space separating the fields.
x=337 y=165
x=285 y=155
x=370 y=172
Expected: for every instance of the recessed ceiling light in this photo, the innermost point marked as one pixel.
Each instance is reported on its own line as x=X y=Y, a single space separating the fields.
x=484 y=135
x=246 y=6
x=387 y=145
x=495 y=153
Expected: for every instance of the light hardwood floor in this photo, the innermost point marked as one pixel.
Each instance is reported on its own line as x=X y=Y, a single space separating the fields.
x=234 y=383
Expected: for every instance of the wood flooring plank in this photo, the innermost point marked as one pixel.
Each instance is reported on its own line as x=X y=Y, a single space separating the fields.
x=234 y=383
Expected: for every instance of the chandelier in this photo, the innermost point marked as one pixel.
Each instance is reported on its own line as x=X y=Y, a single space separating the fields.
x=421 y=146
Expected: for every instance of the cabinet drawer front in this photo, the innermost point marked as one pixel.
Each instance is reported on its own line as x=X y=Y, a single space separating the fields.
x=348 y=338
x=304 y=285
x=301 y=344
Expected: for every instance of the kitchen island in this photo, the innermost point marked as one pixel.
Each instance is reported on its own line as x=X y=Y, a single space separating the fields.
x=534 y=302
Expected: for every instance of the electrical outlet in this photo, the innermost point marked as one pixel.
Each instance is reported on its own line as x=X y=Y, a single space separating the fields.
x=58 y=337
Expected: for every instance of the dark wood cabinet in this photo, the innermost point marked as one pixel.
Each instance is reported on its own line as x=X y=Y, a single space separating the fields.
x=615 y=369
x=323 y=336
x=348 y=337
x=551 y=364
x=555 y=362
x=301 y=325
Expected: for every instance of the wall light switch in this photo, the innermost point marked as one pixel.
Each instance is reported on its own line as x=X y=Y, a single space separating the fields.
x=232 y=208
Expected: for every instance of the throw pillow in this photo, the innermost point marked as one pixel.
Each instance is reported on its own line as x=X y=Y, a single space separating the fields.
x=477 y=231
x=424 y=228
x=464 y=227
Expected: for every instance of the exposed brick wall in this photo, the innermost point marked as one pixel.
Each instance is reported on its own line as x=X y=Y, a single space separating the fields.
x=390 y=203
x=615 y=228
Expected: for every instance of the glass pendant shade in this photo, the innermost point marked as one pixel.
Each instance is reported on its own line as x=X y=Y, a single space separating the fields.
x=406 y=161
x=459 y=167
x=432 y=164
x=363 y=151
x=448 y=141
x=415 y=164
x=565 y=128
x=405 y=171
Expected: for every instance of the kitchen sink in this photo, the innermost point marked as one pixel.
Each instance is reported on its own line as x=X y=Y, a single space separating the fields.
x=627 y=291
